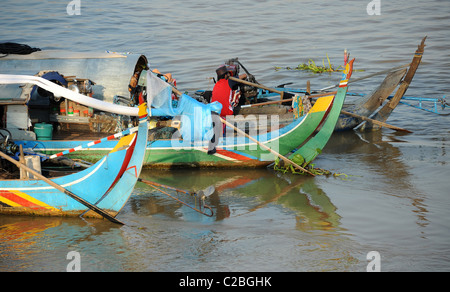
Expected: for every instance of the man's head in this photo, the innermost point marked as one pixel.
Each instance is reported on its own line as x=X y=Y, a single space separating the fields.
x=222 y=72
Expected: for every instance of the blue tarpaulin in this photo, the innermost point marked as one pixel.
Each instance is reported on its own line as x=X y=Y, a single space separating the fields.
x=196 y=121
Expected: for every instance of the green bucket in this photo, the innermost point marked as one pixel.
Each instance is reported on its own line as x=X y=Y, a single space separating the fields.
x=43 y=131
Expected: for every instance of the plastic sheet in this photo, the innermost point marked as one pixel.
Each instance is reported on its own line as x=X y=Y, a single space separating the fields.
x=196 y=120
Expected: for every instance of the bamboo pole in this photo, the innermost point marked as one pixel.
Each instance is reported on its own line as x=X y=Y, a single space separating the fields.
x=23 y=173
x=282 y=94
x=287 y=100
x=382 y=124
x=266 y=147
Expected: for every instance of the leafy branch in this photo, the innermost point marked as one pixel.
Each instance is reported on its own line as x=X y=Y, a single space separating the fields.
x=312 y=67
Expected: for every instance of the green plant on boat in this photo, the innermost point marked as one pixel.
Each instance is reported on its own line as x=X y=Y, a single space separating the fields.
x=298 y=159
x=312 y=67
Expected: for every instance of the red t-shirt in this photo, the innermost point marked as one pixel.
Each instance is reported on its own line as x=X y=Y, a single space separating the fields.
x=223 y=93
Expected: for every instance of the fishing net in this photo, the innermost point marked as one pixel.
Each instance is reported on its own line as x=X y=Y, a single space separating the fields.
x=196 y=120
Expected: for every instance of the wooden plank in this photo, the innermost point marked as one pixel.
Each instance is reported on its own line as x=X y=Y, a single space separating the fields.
x=17 y=116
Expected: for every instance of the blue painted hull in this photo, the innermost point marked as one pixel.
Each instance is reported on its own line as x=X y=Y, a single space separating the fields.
x=107 y=184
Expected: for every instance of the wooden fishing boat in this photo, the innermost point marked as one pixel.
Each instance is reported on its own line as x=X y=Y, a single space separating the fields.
x=305 y=136
x=98 y=191
x=378 y=105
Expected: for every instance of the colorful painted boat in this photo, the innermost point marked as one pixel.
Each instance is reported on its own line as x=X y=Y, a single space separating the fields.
x=107 y=184
x=305 y=136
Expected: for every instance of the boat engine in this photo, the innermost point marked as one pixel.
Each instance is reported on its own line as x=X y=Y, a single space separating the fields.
x=247 y=92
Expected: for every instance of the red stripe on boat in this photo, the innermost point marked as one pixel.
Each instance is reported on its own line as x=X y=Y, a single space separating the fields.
x=126 y=160
x=19 y=200
x=232 y=155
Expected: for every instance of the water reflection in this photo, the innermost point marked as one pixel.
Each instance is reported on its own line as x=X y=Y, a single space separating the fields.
x=254 y=212
x=162 y=234
x=42 y=243
x=239 y=192
x=263 y=221
x=388 y=171
x=19 y=236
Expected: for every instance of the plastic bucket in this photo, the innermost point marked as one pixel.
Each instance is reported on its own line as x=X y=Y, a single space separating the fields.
x=43 y=131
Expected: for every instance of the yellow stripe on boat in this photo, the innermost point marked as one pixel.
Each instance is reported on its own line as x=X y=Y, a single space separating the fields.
x=32 y=200
x=322 y=104
x=124 y=142
x=9 y=202
x=23 y=200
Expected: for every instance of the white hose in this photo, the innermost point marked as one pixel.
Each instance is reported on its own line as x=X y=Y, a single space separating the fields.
x=69 y=94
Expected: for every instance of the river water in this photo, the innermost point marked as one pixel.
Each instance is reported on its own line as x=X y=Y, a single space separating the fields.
x=391 y=196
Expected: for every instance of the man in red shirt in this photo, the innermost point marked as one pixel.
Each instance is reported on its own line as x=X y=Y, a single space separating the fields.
x=226 y=91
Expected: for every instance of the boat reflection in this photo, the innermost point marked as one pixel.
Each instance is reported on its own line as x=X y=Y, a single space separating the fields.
x=237 y=193
x=42 y=243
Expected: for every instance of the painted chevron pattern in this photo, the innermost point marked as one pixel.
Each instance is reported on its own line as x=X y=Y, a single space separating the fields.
x=10 y=198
